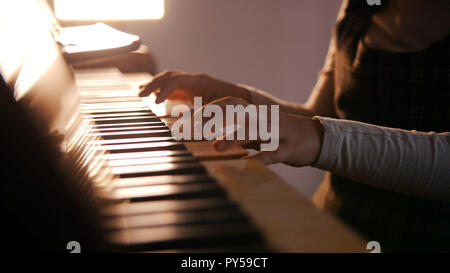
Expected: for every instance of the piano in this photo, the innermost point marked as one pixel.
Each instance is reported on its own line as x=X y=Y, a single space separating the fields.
x=86 y=160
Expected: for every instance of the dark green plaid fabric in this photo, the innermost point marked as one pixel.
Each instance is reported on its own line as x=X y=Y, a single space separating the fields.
x=399 y=90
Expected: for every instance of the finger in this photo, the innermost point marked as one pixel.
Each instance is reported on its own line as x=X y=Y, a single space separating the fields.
x=176 y=81
x=267 y=157
x=240 y=127
x=165 y=91
x=239 y=123
x=157 y=82
x=223 y=102
x=181 y=95
x=223 y=145
x=198 y=114
x=238 y=131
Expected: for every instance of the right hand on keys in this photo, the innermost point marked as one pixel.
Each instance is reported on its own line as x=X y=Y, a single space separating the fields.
x=185 y=86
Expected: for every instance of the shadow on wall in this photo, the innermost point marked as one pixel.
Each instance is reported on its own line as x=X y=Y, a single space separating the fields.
x=277 y=46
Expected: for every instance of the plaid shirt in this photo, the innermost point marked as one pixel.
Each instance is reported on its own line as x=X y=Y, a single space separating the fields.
x=401 y=90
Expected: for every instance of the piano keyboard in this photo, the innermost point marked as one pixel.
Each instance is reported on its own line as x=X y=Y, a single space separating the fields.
x=163 y=196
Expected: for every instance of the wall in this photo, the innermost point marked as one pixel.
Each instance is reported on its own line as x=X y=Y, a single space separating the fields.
x=275 y=45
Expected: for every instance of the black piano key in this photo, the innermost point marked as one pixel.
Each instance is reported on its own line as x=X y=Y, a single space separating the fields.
x=131 y=140
x=86 y=110
x=146 y=207
x=90 y=108
x=129 y=128
x=175 y=218
x=133 y=134
x=95 y=100
x=142 y=147
x=116 y=107
x=101 y=82
x=125 y=115
x=187 y=236
x=161 y=180
x=126 y=119
x=159 y=169
x=112 y=105
x=120 y=114
x=108 y=98
x=108 y=86
x=118 y=93
x=134 y=155
x=165 y=192
x=151 y=160
x=130 y=124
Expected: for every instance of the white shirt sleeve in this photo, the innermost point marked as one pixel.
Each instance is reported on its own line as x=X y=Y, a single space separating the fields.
x=410 y=162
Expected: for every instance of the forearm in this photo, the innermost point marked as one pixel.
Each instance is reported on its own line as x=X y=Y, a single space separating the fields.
x=321 y=101
x=410 y=162
x=259 y=97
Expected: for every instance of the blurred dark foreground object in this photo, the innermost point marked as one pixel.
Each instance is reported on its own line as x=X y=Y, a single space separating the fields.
x=42 y=206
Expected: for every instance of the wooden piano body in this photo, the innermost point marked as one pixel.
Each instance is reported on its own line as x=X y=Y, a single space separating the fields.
x=127 y=186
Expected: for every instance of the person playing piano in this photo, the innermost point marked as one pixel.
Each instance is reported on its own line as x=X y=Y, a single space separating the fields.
x=378 y=120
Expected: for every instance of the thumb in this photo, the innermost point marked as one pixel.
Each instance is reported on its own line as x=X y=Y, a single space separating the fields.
x=267 y=157
x=223 y=145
